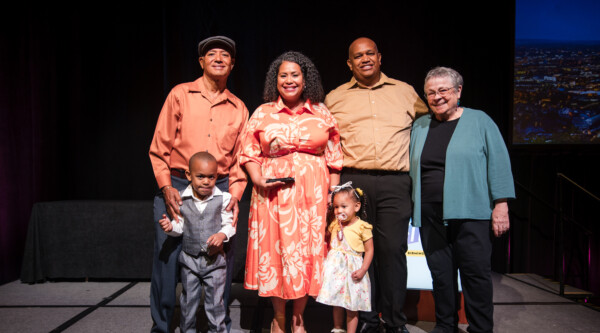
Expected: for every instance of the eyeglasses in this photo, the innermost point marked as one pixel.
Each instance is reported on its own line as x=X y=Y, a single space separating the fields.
x=442 y=92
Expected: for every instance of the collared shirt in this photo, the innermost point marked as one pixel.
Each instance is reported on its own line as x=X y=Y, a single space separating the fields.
x=226 y=217
x=375 y=122
x=190 y=122
x=274 y=131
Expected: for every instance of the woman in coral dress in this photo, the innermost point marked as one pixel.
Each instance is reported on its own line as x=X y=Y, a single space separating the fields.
x=292 y=135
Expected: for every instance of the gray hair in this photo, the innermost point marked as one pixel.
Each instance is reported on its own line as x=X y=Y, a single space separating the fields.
x=445 y=72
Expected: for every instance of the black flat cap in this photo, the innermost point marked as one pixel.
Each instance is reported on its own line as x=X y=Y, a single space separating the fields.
x=223 y=42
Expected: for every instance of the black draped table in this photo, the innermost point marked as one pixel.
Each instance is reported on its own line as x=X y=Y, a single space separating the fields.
x=101 y=240
x=89 y=239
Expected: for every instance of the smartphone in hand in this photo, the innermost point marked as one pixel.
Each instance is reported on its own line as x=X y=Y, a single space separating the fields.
x=286 y=180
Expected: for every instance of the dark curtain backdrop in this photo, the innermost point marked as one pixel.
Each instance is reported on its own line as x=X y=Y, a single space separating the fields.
x=81 y=89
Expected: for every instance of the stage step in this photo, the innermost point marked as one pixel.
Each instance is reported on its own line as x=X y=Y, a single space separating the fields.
x=551 y=285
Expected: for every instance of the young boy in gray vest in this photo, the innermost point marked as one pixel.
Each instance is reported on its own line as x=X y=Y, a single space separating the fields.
x=205 y=226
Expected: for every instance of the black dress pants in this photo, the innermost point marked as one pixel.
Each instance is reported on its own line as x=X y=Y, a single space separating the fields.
x=389 y=209
x=466 y=246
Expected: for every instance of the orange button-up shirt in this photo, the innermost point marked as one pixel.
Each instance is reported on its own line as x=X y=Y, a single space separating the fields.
x=189 y=122
x=375 y=122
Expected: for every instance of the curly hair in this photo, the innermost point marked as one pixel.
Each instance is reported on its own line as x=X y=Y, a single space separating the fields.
x=357 y=195
x=313 y=89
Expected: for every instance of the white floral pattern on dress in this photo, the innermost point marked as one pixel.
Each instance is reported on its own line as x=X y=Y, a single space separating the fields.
x=338 y=288
x=287 y=225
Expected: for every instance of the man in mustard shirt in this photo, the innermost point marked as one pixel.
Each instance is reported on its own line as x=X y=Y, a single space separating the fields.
x=375 y=114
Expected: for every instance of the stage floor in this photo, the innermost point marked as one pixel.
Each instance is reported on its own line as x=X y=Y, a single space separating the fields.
x=520 y=306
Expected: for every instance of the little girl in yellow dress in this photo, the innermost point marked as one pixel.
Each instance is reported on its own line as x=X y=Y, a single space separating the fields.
x=346 y=285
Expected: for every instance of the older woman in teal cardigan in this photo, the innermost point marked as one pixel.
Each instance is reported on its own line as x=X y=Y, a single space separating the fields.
x=462 y=180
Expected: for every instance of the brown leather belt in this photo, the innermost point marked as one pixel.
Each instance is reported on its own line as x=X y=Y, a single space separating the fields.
x=179 y=173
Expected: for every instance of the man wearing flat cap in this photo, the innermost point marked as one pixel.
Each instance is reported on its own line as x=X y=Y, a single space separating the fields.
x=202 y=115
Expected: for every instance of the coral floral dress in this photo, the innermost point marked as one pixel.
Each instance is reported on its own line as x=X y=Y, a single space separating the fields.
x=286 y=226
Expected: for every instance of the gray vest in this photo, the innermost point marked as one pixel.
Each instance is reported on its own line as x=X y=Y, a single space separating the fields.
x=199 y=226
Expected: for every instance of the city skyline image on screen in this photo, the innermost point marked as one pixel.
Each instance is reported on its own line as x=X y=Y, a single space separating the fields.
x=557 y=72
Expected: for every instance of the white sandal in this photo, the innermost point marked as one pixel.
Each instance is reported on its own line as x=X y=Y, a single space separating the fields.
x=338 y=330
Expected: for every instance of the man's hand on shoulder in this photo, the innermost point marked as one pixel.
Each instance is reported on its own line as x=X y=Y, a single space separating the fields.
x=234 y=208
x=172 y=200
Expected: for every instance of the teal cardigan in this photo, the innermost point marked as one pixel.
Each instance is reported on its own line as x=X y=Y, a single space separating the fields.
x=477 y=167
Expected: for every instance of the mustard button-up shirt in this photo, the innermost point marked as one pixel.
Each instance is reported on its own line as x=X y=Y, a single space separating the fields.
x=375 y=122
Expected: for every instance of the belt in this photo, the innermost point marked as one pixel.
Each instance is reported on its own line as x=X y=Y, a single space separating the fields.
x=373 y=172
x=180 y=173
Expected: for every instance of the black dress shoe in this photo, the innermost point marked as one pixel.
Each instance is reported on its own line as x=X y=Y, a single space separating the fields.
x=401 y=329
x=439 y=330
x=368 y=328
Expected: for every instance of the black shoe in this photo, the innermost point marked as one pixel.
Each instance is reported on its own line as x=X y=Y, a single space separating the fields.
x=438 y=330
x=401 y=329
x=367 y=328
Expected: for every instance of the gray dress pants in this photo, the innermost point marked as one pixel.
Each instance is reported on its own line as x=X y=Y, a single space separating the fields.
x=210 y=274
